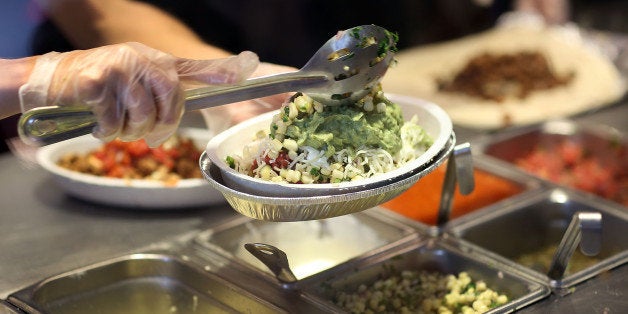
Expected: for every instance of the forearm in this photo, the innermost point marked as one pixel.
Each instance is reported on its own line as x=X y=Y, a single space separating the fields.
x=92 y=23
x=15 y=73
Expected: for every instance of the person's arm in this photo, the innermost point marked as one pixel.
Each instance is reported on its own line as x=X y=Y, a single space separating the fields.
x=15 y=73
x=134 y=91
x=93 y=23
x=88 y=23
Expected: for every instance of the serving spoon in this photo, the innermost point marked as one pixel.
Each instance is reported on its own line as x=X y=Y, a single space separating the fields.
x=343 y=70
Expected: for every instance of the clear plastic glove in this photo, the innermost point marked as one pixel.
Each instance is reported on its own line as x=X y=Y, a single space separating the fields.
x=133 y=90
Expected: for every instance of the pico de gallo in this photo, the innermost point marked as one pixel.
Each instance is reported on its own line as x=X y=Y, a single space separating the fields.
x=604 y=173
x=175 y=159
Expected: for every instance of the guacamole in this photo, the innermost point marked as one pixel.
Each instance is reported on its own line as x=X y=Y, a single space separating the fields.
x=312 y=143
x=375 y=122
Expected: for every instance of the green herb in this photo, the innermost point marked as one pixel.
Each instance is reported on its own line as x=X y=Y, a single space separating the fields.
x=230 y=161
x=388 y=45
x=315 y=171
x=355 y=32
x=469 y=286
x=273 y=130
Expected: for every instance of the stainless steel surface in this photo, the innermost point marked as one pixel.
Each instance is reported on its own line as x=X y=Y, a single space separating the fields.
x=437 y=255
x=584 y=230
x=534 y=222
x=6 y=308
x=605 y=293
x=44 y=232
x=275 y=259
x=322 y=244
x=139 y=283
x=343 y=70
x=317 y=207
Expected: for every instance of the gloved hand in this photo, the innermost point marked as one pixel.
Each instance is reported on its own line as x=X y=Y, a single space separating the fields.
x=133 y=90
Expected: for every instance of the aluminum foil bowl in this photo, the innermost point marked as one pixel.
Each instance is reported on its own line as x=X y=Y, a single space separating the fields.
x=318 y=207
x=431 y=118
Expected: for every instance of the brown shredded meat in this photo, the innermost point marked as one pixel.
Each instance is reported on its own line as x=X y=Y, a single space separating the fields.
x=499 y=76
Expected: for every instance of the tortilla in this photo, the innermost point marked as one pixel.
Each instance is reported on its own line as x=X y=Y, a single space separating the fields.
x=597 y=82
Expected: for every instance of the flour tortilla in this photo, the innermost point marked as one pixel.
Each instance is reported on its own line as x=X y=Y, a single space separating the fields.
x=597 y=82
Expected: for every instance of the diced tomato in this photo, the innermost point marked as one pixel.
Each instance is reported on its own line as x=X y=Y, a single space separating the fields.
x=117 y=172
x=570 y=152
x=137 y=148
x=163 y=157
x=282 y=161
x=568 y=164
x=120 y=159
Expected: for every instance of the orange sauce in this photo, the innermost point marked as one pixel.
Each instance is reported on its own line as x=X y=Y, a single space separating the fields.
x=422 y=200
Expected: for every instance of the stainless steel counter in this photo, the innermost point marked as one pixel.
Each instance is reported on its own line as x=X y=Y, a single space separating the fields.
x=44 y=232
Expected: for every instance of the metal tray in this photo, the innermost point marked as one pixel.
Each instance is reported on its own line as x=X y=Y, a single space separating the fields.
x=599 y=142
x=311 y=246
x=6 y=308
x=139 y=283
x=439 y=255
x=420 y=206
x=539 y=221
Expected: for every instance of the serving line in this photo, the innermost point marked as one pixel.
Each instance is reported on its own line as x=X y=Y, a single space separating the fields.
x=44 y=232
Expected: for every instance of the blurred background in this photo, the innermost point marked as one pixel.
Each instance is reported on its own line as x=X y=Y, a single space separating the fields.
x=24 y=30
x=18 y=19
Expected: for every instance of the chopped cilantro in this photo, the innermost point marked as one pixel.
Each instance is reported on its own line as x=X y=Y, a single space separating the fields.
x=315 y=171
x=230 y=161
x=355 y=32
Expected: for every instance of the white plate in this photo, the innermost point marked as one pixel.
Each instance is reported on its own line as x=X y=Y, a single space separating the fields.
x=135 y=194
x=431 y=117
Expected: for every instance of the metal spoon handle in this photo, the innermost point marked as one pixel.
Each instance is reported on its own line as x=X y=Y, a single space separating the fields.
x=275 y=259
x=459 y=173
x=47 y=125
x=585 y=229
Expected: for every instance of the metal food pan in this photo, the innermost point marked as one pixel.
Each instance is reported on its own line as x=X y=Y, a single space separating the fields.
x=528 y=231
x=494 y=184
x=579 y=155
x=139 y=283
x=6 y=308
x=440 y=255
x=311 y=246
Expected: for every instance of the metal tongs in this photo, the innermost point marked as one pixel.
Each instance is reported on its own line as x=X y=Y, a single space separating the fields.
x=343 y=70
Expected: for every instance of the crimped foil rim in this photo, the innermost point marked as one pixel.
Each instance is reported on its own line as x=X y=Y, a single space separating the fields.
x=317 y=207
